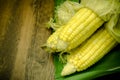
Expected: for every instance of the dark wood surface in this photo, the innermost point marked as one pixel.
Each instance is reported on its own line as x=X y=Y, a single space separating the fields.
x=22 y=33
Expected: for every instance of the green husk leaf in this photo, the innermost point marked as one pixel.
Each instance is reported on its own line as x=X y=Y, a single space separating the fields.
x=104 y=8
x=113 y=26
x=63 y=13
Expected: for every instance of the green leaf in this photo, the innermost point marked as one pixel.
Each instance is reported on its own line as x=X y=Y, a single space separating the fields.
x=107 y=65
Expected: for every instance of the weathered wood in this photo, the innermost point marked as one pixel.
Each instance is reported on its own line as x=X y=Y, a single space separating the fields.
x=22 y=33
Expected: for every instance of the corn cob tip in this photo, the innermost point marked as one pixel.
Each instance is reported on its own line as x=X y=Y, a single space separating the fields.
x=47 y=49
x=57 y=47
x=68 y=69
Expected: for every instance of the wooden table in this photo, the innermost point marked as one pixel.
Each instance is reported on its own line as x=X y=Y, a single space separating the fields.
x=22 y=33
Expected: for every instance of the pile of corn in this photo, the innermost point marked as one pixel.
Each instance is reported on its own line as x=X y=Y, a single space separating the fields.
x=84 y=37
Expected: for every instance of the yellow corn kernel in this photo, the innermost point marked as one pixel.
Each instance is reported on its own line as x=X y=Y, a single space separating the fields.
x=52 y=40
x=92 y=50
x=81 y=26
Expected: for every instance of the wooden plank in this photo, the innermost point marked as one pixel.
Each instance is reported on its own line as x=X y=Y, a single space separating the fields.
x=39 y=65
x=22 y=33
x=9 y=31
x=25 y=40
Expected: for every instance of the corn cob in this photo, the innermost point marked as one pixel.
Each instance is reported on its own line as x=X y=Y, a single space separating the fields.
x=82 y=25
x=89 y=52
x=53 y=43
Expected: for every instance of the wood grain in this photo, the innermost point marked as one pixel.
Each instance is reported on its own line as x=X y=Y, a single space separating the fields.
x=22 y=33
